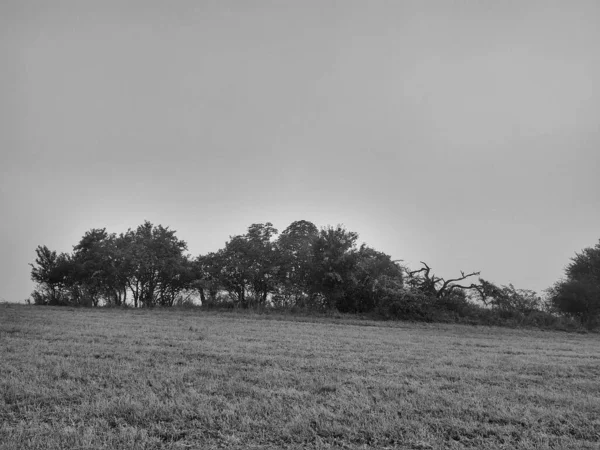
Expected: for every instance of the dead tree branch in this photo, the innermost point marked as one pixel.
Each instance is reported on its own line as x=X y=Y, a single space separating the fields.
x=429 y=282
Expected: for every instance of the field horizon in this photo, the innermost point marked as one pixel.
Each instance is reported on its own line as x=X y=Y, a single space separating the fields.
x=191 y=378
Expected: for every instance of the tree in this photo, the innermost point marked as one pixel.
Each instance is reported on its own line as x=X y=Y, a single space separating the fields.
x=148 y=262
x=247 y=266
x=51 y=274
x=154 y=262
x=206 y=278
x=263 y=261
x=508 y=299
x=296 y=254
x=98 y=271
x=427 y=283
x=174 y=280
x=577 y=298
x=335 y=258
x=578 y=294
x=373 y=271
x=228 y=267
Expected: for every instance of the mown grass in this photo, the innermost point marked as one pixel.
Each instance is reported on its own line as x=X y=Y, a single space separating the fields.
x=107 y=378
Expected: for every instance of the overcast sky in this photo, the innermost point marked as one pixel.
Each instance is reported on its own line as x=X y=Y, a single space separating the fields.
x=462 y=133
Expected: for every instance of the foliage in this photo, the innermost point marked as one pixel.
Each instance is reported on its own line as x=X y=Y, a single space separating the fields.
x=508 y=299
x=578 y=295
x=372 y=273
x=247 y=266
x=302 y=269
x=98 y=270
x=405 y=303
x=334 y=261
x=296 y=252
x=51 y=273
x=147 y=262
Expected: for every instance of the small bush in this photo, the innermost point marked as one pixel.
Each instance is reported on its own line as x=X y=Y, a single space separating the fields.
x=400 y=303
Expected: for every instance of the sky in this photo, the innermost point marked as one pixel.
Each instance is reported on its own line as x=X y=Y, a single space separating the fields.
x=465 y=134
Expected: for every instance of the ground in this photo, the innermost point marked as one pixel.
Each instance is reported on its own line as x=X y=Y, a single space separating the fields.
x=122 y=379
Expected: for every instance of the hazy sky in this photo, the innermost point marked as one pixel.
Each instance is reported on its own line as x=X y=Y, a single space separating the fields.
x=462 y=133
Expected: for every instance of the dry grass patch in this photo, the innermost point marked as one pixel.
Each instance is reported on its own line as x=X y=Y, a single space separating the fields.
x=103 y=378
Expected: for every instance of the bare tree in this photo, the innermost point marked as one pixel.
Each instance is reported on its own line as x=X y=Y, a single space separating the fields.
x=429 y=284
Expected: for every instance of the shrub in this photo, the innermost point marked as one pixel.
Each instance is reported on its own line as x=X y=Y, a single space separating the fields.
x=401 y=303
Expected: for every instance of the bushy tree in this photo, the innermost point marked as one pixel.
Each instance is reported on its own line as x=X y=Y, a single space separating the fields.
x=508 y=299
x=148 y=262
x=372 y=270
x=334 y=262
x=155 y=264
x=296 y=256
x=207 y=278
x=51 y=273
x=98 y=269
x=263 y=261
x=247 y=266
x=303 y=266
x=578 y=294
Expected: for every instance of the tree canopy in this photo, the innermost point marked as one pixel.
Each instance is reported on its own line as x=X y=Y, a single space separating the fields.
x=578 y=294
x=301 y=267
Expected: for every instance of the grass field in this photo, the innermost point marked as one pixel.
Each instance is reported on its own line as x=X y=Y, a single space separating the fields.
x=107 y=378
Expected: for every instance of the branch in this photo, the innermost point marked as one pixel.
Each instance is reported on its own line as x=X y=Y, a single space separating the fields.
x=416 y=271
x=447 y=283
x=466 y=288
x=425 y=269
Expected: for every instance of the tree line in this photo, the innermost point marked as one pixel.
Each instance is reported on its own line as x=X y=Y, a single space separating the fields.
x=303 y=267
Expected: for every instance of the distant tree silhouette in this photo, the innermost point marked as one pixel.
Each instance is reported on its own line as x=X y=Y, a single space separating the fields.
x=303 y=267
x=51 y=275
x=578 y=294
x=147 y=262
